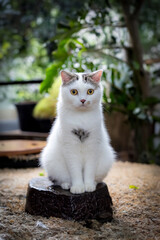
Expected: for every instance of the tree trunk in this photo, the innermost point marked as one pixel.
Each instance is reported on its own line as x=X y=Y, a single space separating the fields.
x=140 y=76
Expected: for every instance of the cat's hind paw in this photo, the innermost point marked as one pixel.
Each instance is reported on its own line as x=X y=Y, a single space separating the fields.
x=77 y=189
x=65 y=186
x=90 y=187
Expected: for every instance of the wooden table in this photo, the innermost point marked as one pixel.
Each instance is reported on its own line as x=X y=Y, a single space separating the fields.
x=18 y=134
x=20 y=147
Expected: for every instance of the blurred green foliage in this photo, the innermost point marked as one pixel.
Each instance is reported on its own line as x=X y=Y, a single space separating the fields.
x=46 y=107
x=27 y=95
x=84 y=36
x=27 y=66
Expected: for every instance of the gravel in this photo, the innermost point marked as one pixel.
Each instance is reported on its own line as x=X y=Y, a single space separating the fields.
x=135 y=191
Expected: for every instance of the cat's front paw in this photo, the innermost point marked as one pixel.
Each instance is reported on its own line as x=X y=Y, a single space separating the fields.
x=76 y=189
x=90 y=187
x=65 y=185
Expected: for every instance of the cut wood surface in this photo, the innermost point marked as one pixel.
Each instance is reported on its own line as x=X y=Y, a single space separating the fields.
x=19 y=147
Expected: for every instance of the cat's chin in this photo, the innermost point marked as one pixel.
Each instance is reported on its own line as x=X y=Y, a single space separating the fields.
x=83 y=107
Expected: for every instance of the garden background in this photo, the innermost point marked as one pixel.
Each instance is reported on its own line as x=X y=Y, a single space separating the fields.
x=40 y=38
x=121 y=37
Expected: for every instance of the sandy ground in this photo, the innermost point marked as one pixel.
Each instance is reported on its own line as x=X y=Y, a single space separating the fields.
x=136 y=211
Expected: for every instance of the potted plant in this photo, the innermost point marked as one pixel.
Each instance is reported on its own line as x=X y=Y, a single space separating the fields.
x=45 y=110
x=25 y=101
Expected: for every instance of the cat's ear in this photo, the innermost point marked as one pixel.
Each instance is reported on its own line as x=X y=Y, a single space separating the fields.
x=66 y=76
x=96 y=76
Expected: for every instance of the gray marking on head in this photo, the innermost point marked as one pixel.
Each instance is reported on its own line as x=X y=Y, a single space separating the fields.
x=74 y=77
x=81 y=134
x=88 y=79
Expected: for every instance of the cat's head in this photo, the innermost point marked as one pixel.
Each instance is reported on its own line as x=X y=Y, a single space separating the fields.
x=81 y=90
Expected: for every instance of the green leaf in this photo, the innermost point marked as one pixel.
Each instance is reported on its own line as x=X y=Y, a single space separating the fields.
x=131 y=105
x=61 y=55
x=133 y=187
x=105 y=99
x=67 y=33
x=156 y=118
x=136 y=65
x=41 y=174
x=51 y=73
x=152 y=101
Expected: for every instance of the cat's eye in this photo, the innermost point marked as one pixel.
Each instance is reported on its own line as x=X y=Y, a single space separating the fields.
x=74 y=92
x=90 y=91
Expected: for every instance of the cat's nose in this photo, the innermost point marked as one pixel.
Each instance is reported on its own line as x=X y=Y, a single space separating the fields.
x=82 y=100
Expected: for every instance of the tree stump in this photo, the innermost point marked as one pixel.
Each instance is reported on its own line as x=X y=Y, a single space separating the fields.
x=46 y=199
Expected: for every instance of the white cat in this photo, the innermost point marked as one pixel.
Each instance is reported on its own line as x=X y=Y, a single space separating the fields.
x=78 y=154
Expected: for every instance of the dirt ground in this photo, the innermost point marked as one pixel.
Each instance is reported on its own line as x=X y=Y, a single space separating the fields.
x=136 y=211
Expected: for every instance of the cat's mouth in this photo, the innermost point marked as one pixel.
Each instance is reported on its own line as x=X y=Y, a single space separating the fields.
x=84 y=105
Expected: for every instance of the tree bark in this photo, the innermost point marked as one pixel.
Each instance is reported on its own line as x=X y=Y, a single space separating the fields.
x=140 y=76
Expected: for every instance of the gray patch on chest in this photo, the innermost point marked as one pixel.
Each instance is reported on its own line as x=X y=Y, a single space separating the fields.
x=81 y=134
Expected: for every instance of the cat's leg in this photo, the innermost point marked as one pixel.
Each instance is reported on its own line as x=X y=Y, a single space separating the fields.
x=77 y=186
x=105 y=161
x=90 y=166
x=77 y=178
x=60 y=175
x=53 y=162
x=73 y=159
x=65 y=185
x=89 y=178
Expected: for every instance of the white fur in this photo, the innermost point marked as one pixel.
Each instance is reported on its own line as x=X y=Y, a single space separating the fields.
x=77 y=165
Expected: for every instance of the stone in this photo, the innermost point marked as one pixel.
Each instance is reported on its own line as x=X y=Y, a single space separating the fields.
x=46 y=199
